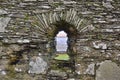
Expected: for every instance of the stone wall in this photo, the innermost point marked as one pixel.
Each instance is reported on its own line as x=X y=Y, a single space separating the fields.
x=21 y=42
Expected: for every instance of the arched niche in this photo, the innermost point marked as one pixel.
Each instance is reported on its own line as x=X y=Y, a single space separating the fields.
x=51 y=22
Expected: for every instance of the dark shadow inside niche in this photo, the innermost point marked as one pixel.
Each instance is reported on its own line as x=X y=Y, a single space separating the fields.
x=65 y=43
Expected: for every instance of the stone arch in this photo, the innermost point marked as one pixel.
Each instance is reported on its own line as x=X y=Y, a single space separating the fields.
x=51 y=22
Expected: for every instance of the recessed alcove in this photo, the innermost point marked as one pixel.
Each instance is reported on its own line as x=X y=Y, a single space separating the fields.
x=60 y=49
x=62 y=38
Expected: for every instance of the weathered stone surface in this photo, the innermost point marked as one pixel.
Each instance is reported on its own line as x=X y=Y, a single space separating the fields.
x=57 y=73
x=30 y=0
x=3 y=73
x=71 y=79
x=91 y=69
x=2 y=12
x=78 y=70
x=107 y=5
x=50 y=1
x=99 y=45
x=38 y=66
x=108 y=70
x=3 y=23
x=97 y=40
x=23 y=41
x=15 y=47
x=69 y=2
x=86 y=69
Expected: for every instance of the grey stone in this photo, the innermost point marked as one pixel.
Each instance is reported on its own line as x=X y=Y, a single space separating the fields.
x=17 y=69
x=60 y=8
x=15 y=47
x=109 y=30
x=38 y=66
x=17 y=16
x=86 y=48
x=88 y=28
x=2 y=12
x=30 y=0
x=91 y=69
x=58 y=73
x=50 y=1
x=78 y=71
x=110 y=0
x=69 y=2
x=3 y=23
x=108 y=70
x=71 y=79
x=40 y=0
x=8 y=41
x=3 y=73
x=87 y=12
x=23 y=41
x=99 y=45
x=45 y=7
x=1 y=48
x=107 y=5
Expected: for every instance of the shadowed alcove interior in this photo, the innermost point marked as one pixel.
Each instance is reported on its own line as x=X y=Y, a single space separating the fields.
x=65 y=53
x=69 y=30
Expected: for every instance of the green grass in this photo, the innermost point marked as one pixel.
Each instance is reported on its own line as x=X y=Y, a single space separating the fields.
x=62 y=57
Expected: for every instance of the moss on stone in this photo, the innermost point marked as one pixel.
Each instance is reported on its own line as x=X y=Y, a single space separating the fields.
x=11 y=73
x=62 y=57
